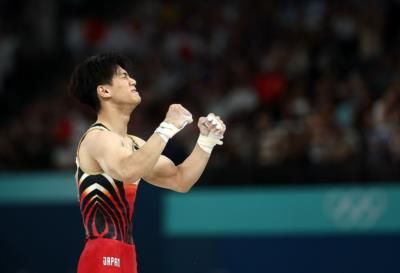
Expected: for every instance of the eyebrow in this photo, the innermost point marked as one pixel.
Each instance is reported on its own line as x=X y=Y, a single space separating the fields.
x=122 y=72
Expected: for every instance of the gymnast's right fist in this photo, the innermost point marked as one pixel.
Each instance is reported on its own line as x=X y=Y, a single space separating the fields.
x=176 y=119
x=178 y=116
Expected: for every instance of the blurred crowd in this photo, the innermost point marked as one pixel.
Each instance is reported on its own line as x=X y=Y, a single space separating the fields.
x=297 y=82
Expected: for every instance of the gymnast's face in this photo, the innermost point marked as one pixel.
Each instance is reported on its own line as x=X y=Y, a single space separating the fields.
x=122 y=89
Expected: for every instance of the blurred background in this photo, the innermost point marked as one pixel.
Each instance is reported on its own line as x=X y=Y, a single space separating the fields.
x=307 y=179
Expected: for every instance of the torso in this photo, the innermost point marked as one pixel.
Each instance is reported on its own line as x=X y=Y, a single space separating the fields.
x=106 y=204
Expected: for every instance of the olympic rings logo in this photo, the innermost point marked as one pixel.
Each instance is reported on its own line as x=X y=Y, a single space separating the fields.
x=355 y=209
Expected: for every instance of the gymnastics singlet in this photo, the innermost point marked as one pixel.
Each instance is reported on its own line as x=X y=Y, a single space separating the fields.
x=107 y=208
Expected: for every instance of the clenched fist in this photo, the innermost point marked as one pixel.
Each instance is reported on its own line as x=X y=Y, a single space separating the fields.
x=212 y=130
x=178 y=116
x=213 y=125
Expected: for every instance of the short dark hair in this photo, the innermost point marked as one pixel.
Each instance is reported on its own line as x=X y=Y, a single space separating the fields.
x=93 y=71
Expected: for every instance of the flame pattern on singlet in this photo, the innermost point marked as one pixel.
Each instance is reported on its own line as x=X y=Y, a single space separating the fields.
x=106 y=204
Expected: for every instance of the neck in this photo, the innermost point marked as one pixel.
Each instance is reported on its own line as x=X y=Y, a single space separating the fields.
x=115 y=118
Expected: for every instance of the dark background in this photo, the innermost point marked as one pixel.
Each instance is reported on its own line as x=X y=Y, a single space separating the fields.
x=309 y=91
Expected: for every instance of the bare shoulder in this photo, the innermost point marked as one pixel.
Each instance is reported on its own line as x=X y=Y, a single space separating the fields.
x=97 y=140
x=99 y=134
x=91 y=147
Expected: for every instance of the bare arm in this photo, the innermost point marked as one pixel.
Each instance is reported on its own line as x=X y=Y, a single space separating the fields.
x=121 y=162
x=127 y=165
x=181 y=178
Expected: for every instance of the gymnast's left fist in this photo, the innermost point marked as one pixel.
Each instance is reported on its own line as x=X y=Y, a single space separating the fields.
x=212 y=125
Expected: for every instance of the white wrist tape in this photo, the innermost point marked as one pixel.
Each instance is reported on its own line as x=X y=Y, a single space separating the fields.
x=207 y=143
x=166 y=130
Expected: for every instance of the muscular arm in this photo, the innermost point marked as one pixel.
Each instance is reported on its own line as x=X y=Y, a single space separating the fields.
x=180 y=178
x=107 y=150
x=121 y=162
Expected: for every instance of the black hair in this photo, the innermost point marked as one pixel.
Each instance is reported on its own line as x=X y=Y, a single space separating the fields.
x=93 y=71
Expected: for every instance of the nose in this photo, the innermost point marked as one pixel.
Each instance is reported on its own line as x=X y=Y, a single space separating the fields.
x=132 y=81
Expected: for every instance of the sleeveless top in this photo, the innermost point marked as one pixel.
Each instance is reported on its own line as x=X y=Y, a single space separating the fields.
x=106 y=204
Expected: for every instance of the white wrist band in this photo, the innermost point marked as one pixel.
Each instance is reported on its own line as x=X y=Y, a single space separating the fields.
x=166 y=130
x=207 y=143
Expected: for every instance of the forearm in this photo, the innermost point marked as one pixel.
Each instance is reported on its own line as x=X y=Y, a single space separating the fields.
x=142 y=161
x=182 y=177
x=191 y=169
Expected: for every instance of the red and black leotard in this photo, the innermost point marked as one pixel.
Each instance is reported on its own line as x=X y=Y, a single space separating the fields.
x=107 y=208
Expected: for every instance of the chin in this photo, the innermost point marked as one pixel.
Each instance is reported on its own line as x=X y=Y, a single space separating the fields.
x=137 y=101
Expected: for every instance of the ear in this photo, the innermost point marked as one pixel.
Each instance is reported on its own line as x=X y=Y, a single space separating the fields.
x=103 y=91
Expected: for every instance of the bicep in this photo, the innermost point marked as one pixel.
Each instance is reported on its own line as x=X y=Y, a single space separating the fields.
x=107 y=151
